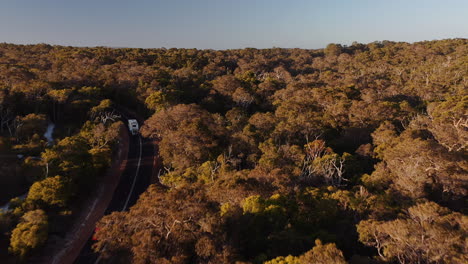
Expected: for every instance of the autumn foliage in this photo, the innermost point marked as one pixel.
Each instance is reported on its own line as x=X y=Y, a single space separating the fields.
x=345 y=154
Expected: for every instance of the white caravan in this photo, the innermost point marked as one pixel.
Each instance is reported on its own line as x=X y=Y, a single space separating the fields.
x=133 y=126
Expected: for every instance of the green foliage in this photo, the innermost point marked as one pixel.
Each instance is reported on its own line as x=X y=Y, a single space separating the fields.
x=52 y=191
x=93 y=92
x=284 y=260
x=288 y=157
x=157 y=101
x=226 y=210
x=254 y=205
x=104 y=105
x=207 y=171
x=29 y=234
x=70 y=157
x=60 y=96
x=319 y=254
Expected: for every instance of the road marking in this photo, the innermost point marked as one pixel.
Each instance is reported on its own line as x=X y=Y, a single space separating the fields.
x=75 y=236
x=131 y=189
x=135 y=178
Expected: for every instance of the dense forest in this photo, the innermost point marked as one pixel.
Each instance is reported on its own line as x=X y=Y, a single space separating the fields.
x=348 y=154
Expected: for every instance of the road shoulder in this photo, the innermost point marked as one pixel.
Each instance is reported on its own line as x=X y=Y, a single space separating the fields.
x=93 y=209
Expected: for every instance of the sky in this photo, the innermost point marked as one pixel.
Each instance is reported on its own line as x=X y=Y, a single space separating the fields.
x=229 y=24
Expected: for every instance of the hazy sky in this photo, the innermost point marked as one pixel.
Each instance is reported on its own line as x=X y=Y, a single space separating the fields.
x=224 y=24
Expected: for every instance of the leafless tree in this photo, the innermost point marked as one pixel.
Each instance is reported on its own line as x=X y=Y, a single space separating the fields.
x=104 y=117
x=6 y=119
x=321 y=164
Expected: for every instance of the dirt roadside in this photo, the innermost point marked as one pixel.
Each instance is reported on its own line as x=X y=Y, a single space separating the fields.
x=66 y=250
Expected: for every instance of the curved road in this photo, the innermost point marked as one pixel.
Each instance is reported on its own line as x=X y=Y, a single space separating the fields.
x=134 y=181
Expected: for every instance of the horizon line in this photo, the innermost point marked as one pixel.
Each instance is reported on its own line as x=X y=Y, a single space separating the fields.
x=227 y=49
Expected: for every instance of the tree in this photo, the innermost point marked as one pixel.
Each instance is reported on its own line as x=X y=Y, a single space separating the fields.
x=323 y=254
x=429 y=234
x=319 y=254
x=333 y=49
x=101 y=108
x=300 y=116
x=322 y=165
x=31 y=124
x=157 y=101
x=29 y=234
x=164 y=225
x=449 y=122
x=419 y=167
x=190 y=135
x=101 y=135
x=52 y=191
x=287 y=157
x=59 y=98
x=70 y=158
x=226 y=85
x=330 y=168
x=6 y=118
x=242 y=97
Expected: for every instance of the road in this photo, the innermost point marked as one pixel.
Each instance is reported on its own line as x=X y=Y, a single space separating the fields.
x=134 y=181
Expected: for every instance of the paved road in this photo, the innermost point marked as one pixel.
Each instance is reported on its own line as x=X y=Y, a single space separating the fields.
x=134 y=181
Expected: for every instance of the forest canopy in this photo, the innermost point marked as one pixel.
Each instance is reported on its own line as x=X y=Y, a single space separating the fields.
x=348 y=154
